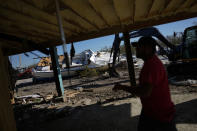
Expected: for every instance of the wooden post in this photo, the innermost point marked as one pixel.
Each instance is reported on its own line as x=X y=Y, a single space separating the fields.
x=129 y=58
x=7 y=121
x=56 y=71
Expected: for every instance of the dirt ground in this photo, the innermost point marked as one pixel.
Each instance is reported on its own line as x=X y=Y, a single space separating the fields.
x=92 y=105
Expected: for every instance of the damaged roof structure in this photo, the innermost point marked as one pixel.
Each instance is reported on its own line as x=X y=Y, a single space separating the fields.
x=28 y=25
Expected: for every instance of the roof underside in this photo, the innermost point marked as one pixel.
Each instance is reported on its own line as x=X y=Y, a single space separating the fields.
x=27 y=22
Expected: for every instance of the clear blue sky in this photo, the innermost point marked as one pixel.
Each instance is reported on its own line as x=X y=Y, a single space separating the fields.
x=98 y=43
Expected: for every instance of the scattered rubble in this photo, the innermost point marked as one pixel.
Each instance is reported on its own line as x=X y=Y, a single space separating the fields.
x=183 y=81
x=28 y=99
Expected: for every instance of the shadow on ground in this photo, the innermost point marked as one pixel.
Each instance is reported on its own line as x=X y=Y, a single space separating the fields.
x=186 y=112
x=97 y=118
x=89 y=85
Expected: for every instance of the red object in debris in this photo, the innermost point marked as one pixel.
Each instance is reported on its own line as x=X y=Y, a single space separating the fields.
x=26 y=73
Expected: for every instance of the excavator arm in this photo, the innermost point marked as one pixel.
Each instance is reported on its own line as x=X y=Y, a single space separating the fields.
x=150 y=31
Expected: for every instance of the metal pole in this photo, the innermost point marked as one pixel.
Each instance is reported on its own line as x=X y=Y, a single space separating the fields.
x=129 y=58
x=59 y=19
x=56 y=71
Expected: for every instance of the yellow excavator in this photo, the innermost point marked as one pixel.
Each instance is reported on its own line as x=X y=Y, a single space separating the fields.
x=184 y=56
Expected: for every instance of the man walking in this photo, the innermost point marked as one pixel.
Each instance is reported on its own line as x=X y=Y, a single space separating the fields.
x=157 y=108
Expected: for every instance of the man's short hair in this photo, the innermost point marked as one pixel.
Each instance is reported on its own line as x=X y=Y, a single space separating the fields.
x=149 y=41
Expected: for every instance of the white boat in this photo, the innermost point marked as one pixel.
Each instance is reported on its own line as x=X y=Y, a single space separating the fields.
x=87 y=58
x=49 y=74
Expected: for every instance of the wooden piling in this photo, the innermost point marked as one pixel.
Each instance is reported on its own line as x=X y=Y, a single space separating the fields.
x=7 y=121
x=129 y=58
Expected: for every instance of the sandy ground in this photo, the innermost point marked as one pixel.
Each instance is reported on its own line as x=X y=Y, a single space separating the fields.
x=94 y=106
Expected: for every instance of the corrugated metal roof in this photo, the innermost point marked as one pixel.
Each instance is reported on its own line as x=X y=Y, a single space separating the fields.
x=35 y=20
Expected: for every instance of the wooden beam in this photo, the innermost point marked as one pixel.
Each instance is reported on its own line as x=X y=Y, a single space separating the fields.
x=149 y=10
x=157 y=7
x=83 y=9
x=116 y=12
x=14 y=51
x=100 y=15
x=15 y=24
x=134 y=7
x=137 y=25
x=13 y=47
x=36 y=13
x=193 y=8
x=82 y=17
x=22 y=35
x=129 y=58
x=106 y=9
x=27 y=34
x=15 y=16
x=7 y=121
x=141 y=9
x=82 y=29
x=172 y=6
x=118 y=29
x=167 y=2
x=124 y=10
x=187 y=4
x=66 y=21
x=29 y=43
x=68 y=14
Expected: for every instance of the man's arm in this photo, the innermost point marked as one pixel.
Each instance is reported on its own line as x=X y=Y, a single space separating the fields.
x=141 y=91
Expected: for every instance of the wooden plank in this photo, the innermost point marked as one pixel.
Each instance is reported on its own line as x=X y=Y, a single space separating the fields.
x=99 y=14
x=142 y=8
x=12 y=48
x=70 y=15
x=129 y=58
x=20 y=34
x=7 y=121
x=173 y=5
x=134 y=6
x=40 y=3
x=85 y=11
x=106 y=10
x=150 y=8
x=124 y=10
x=84 y=18
x=137 y=25
x=27 y=43
x=157 y=7
x=49 y=8
x=193 y=8
x=14 y=16
x=37 y=14
x=15 y=24
x=186 y=4
x=32 y=35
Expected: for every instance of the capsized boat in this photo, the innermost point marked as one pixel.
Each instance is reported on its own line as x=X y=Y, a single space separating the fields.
x=87 y=58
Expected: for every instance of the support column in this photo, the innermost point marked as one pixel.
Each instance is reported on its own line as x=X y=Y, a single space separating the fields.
x=63 y=38
x=7 y=121
x=129 y=58
x=56 y=71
